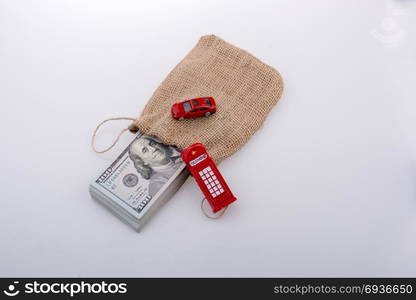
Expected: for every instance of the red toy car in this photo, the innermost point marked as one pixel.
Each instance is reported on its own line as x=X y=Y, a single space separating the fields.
x=194 y=108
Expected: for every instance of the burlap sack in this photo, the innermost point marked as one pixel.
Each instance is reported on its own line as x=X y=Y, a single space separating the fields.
x=244 y=88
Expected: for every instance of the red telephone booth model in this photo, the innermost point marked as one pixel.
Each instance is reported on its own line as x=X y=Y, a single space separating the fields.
x=208 y=177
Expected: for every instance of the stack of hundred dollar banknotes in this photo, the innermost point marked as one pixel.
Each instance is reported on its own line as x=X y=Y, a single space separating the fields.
x=142 y=178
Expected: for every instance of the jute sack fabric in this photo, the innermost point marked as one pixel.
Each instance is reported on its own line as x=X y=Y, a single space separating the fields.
x=244 y=88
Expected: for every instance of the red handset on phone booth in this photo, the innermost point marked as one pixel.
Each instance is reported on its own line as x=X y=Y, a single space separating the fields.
x=208 y=177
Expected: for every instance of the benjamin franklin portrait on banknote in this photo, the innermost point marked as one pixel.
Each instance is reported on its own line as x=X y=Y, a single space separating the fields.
x=154 y=161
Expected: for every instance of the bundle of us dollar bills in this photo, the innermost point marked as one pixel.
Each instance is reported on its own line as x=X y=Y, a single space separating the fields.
x=142 y=178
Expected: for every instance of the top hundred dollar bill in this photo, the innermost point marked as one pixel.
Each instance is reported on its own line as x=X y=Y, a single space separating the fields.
x=145 y=173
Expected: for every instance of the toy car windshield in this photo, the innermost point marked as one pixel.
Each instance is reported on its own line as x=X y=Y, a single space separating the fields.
x=187 y=106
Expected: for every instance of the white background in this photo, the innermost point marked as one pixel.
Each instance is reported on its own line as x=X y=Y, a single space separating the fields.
x=325 y=188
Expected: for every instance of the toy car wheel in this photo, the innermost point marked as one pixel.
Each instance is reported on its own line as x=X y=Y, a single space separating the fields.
x=181 y=118
x=207 y=114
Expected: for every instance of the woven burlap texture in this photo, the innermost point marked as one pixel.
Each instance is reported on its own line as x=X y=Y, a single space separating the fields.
x=244 y=88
